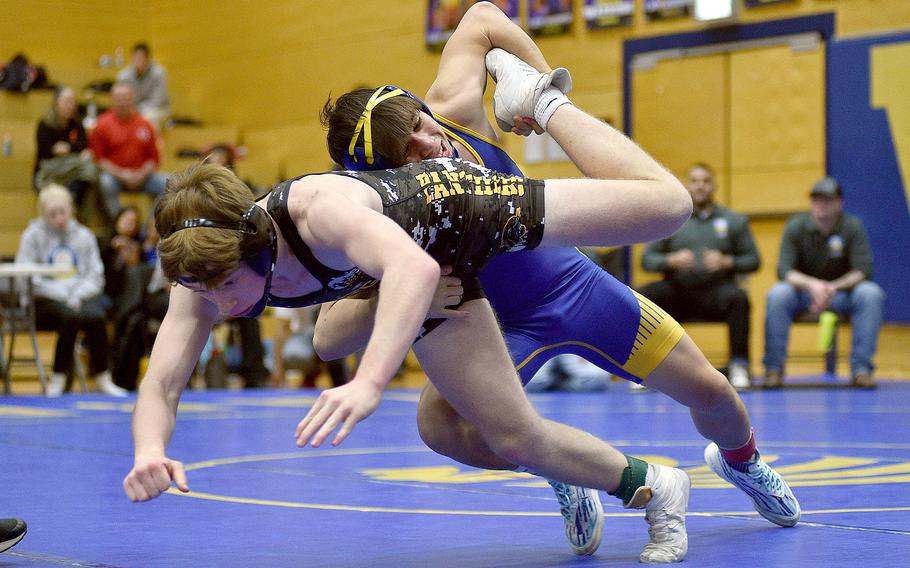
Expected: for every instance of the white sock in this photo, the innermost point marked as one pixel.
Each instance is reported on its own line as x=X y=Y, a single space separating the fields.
x=550 y=100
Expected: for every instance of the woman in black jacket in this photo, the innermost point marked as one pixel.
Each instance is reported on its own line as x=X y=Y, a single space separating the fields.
x=63 y=154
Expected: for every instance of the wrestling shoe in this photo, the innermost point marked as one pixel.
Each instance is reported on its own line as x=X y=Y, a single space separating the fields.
x=11 y=532
x=519 y=86
x=583 y=514
x=665 y=499
x=770 y=494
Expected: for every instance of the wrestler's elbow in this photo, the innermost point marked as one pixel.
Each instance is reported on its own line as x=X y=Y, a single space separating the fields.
x=425 y=270
x=481 y=13
x=677 y=204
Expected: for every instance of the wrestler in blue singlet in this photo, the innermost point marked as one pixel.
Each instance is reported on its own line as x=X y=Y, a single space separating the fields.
x=552 y=301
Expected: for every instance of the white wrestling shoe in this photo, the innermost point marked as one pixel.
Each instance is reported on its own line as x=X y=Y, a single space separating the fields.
x=770 y=494
x=519 y=86
x=665 y=500
x=105 y=384
x=583 y=514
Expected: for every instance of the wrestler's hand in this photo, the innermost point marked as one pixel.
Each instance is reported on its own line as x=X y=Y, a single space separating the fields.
x=448 y=293
x=523 y=126
x=152 y=476
x=343 y=406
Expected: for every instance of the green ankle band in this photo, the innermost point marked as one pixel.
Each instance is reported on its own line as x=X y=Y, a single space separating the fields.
x=633 y=477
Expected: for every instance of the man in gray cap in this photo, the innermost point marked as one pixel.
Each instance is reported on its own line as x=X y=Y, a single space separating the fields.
x=825 y=264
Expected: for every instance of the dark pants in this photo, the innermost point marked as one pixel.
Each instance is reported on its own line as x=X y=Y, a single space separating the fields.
x=723 y=302
x=252 y=367
x=89 y=318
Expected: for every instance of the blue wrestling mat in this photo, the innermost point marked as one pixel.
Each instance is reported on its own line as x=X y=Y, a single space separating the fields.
x=383 y=499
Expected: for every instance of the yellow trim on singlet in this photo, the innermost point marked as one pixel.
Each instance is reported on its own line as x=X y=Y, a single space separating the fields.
x=657 y=335
x=451 y=134
x=564 y=343
x=454 y=124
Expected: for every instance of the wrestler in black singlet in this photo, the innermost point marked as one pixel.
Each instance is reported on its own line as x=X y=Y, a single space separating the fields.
x=460 y=213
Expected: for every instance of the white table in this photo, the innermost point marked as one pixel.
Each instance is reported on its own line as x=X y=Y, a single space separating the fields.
x=12 y=317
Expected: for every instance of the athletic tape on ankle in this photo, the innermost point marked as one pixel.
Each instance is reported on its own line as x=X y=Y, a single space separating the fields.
x=633 y=477
x=550 y=100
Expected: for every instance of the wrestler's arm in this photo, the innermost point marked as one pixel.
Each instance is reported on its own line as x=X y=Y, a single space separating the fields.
x=457 y=91
x=383 y=250
x=344 y=327
x=179 y=342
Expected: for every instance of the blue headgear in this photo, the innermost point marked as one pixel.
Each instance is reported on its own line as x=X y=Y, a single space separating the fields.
x=361 y=155
x=258 y=247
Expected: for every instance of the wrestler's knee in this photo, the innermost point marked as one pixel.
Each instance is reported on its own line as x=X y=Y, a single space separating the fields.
x=436 y=424
x=518 y=445
x=715 y=393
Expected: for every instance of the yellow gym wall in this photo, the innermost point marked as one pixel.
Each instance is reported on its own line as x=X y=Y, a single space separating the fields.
x=68 y=37
x=267 y=67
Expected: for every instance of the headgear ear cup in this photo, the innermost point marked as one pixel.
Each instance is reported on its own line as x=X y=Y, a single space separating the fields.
x=361 y=154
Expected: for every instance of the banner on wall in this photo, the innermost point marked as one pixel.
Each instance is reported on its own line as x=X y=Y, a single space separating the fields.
x=442 y=19
x=664 y=9
x=549 y=17
x=443 y=16
x=754 y=3
x=600 y=14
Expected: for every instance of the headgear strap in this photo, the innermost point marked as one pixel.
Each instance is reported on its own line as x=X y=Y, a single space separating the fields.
x=363 y=124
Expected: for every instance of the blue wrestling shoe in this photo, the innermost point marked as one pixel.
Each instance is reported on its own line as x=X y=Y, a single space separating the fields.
x=770 y=494
x=583 y=514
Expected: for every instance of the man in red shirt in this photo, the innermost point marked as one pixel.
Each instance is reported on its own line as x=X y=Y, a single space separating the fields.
x=126 y=149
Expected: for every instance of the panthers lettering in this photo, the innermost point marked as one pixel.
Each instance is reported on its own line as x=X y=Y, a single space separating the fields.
x=434 y=187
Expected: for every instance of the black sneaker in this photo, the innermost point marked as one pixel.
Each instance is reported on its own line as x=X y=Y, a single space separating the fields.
x=11 y=532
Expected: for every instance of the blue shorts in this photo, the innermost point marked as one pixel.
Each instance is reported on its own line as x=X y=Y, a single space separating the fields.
x=584 y=311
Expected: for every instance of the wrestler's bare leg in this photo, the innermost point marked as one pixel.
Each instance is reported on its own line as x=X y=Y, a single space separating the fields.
x=479 y=380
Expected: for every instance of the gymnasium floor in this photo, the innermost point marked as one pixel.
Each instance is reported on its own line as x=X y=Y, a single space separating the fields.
x=383 y=499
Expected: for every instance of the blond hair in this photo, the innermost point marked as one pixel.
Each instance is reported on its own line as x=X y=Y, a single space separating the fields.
x=201 y=191
x=53 y=192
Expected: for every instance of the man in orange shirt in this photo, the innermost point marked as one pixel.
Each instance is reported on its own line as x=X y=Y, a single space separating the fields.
x=125 y=147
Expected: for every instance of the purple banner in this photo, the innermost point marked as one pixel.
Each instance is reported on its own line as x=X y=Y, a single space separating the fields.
x=443 y=16
x=608 y=13
x=663 y=9
x=442 y=19
x=756 y=3
x=549 y=17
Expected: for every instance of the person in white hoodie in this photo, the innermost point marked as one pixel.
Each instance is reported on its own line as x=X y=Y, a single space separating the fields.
x=71 y=302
